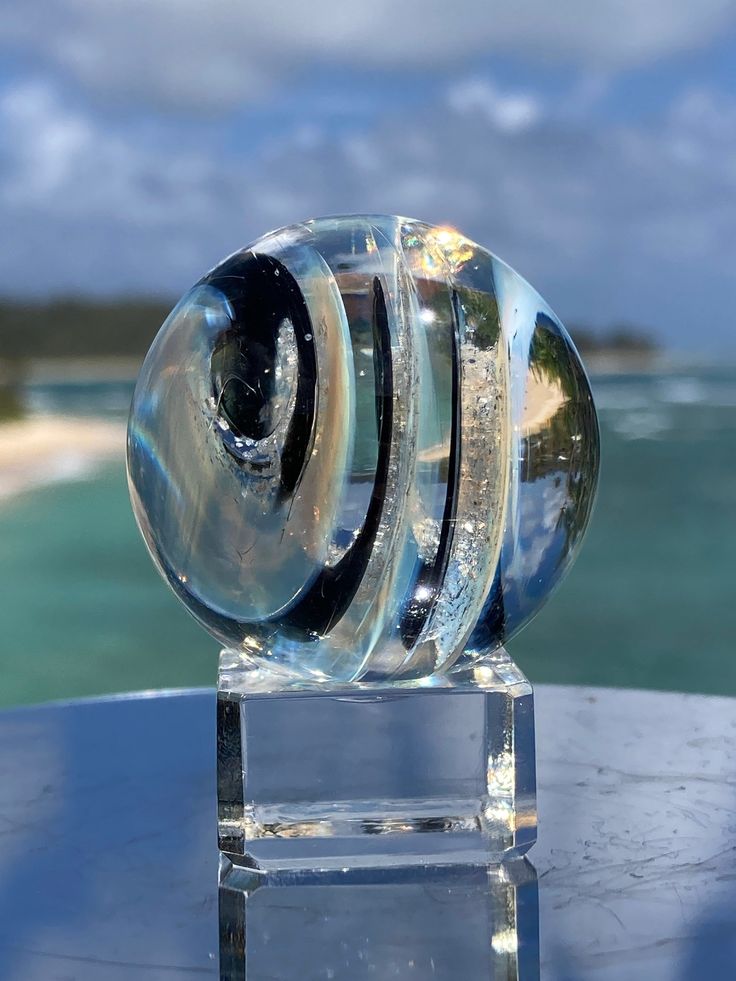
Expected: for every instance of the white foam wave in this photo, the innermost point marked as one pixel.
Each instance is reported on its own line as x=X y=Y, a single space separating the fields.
x=653 y=393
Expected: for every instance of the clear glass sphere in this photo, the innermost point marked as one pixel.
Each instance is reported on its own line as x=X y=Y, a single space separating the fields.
x=363 y=447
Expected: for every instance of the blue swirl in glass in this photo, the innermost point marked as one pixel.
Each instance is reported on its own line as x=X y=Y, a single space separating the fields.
x=362 y=448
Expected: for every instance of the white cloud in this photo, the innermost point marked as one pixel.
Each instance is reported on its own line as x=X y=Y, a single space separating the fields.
x=224 y=53
x=704 y=116
x=47 y=142
x=62 y=164
x=610 y=223
x=507 y=111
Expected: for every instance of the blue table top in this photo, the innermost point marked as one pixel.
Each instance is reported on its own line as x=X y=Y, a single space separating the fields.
x=108 y=857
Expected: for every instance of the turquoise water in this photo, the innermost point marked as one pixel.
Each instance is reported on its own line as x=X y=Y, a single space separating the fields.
x=651 y=601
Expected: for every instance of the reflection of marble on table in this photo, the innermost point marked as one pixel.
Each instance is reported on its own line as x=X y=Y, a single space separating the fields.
x=108 y=846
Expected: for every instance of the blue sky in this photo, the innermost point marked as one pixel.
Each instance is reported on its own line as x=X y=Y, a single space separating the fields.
x=592 y=146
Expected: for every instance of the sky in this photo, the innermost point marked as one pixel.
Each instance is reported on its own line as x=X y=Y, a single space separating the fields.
x=590 y=145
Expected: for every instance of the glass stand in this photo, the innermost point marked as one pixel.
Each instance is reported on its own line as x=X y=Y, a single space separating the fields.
x=314 y=777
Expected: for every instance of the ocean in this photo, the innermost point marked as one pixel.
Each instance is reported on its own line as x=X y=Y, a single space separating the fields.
x=651 y=601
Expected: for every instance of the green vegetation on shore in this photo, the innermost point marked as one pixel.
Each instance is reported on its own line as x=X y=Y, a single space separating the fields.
x=616 y=340
x=79 y=328
x=124 y=328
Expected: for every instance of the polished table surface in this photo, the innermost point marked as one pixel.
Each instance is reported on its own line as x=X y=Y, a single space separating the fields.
x=108 y=861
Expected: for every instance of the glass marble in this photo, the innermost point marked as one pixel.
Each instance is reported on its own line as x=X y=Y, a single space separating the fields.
x=362 y=448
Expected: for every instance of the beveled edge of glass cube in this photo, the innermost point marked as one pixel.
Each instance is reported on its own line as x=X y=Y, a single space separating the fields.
x=239 y=674
x=236 y=873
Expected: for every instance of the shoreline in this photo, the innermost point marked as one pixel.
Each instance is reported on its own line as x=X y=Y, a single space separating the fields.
x=598 y=363
x=44 y=449
x=53 y=371
x=41 y=449
x=72 y=371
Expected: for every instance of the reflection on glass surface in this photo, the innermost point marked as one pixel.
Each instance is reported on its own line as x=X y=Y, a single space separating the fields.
x=362 y=448
x=448 y=924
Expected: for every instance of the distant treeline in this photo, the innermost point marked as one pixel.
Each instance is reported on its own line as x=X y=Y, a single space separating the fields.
x=82 y=328
x=622 y=339
x=79 y=328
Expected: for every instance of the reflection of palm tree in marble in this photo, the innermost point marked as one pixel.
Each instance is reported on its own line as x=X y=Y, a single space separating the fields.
x=560 y=443
x=481 y=317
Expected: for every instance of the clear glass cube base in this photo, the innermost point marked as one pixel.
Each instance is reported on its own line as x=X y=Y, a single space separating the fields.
x=319 y=777
x=447 y=923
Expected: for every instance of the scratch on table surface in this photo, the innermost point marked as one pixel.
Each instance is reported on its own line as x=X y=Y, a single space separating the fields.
x=676 y=776
x=628 y=954
x=105 y=962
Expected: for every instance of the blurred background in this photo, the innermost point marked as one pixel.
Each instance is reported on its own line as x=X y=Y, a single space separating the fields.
x=592 y=146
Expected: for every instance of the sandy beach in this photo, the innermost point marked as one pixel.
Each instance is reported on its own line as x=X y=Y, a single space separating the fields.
x=45 y=448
